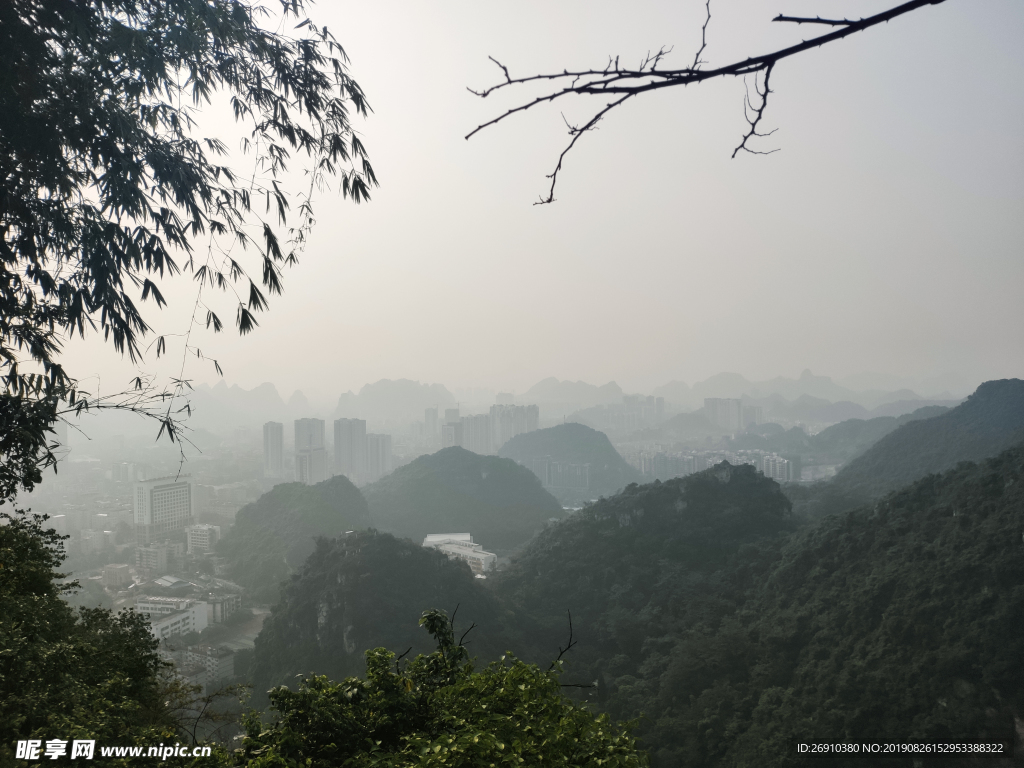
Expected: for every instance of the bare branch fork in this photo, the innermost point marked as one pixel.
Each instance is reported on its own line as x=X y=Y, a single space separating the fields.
x=623 y=83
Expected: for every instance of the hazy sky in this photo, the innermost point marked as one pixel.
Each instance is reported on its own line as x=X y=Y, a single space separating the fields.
x=886 y=235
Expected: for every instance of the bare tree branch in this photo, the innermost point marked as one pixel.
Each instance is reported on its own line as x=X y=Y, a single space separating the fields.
x=815 y=20
x=623 y=83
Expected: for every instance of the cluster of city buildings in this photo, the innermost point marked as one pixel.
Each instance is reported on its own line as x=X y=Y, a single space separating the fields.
x=482 y=433
x=730 y=415
x=664 y=465
x=361 y=456
x=561 y=474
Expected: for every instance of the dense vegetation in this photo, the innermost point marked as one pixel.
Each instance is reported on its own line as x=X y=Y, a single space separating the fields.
x=366 y=590
x=435 y=711
x=643 y=566
x=696 y=607
x=454 y=491
x=989 y=421
x=273 y=535
x=576 y=444
x=86 y=674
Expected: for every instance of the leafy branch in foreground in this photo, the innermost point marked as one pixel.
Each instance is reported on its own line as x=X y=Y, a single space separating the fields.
x=622 y=83
x=108 y=183
x=435 y=711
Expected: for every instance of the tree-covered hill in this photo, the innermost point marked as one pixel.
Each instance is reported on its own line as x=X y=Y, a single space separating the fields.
x=989 y=421
x=576 y=444
x=902 y=621
x=642 y=565
x=366 y=590
x=455 y=491
x=274 y=534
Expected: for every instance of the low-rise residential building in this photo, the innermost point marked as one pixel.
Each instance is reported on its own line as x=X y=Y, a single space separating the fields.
x=170 y=616
x=202 y=538
x=460 y=546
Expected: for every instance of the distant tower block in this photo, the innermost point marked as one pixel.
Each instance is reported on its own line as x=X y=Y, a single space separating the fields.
x=350 y=449
x=273 y=449
x=310 y=451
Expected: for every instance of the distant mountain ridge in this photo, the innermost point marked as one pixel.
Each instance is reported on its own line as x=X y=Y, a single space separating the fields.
x=820 y=388
x=551 y=391
x=400 y=400
x=988 y=422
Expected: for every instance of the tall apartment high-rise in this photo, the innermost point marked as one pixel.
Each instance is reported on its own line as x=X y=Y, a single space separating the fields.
x=476 y=434
x=451 y=435
x=430 y=430
x=310 y=451
x=163 y=506
x=725 y=413
x=507 y=421
x=350 y=449
x=378 y=457
x=273 y=449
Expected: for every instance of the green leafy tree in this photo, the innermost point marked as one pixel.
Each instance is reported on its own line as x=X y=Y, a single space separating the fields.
x=108 y=182
x=435 y=711
x=67 y=674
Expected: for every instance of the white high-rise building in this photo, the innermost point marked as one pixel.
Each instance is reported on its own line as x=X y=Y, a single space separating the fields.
x=273 y=449
x=310 y=451
x=350 y=449
x=162 y=506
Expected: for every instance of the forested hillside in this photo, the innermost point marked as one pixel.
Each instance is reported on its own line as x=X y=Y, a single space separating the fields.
x=902 y=621
x=274 y=535
x=697 y=605
x=575 y=444
x=367 y=590
x=453 y=491
x=643 y=565
x=989 y=421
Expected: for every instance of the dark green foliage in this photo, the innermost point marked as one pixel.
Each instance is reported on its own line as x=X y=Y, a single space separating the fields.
x=435 y=711
x=274 y=534
x=68 y=674
x=989 y=421
x=26 y=437
x=903 y=621
x=105 y=177
x=639 y=568
x=455 y=491
x=577 y=444
x=365 y=590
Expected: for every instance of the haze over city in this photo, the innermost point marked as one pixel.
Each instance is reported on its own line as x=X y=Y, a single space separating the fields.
x=715 y=456
x=884 y=236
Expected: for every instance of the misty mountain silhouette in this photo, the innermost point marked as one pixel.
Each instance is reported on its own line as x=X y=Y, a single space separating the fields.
x=456 y=491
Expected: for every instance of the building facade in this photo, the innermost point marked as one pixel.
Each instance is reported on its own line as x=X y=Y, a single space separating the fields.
x=310 y=451
x=273 y=449
x=202 y=538
x=163 y=506
x=379 y=461
x=460 y=546
x=350 y=449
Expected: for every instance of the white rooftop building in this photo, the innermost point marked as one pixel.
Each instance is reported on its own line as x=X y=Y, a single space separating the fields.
x=460 y=546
